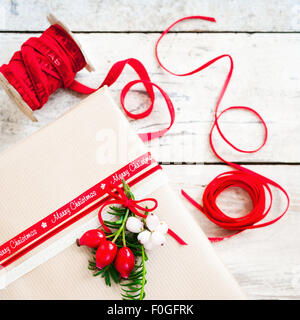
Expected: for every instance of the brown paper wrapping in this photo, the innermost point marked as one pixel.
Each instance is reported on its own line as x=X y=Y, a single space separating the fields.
x=58 y=163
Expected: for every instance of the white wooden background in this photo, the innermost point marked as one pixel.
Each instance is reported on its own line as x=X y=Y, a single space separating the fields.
x=264 y=39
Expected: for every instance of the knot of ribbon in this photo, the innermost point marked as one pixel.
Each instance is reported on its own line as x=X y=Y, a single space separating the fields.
x=119 y=197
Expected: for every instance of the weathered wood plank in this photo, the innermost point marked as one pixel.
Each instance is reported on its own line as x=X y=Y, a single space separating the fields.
x=266 y=78
x=265 y=262
x=136 y=15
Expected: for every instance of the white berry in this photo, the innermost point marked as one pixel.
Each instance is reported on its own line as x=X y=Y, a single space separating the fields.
x=149 y=245
x=134 y=225
x=152 y=221
x=162 y=227
x=144 y=237
x=158 y=239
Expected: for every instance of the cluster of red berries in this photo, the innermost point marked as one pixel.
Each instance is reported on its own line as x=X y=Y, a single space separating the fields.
x=107 y=252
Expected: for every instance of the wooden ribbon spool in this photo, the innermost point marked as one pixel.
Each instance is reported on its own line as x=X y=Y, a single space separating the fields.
x=14 y=94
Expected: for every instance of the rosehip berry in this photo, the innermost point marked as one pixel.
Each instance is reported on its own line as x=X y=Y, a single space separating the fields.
x=124 y=262
x=105 y=254
x=92 y=238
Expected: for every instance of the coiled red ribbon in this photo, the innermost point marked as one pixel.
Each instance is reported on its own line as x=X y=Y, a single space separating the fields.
x=51 y=61
x=253 y=183
x=119 y=197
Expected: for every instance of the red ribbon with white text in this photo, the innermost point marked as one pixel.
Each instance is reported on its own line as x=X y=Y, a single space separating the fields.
x=52 y=61
x=88 y=201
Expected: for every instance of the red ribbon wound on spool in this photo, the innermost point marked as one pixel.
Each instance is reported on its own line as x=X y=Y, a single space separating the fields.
x=52 y=61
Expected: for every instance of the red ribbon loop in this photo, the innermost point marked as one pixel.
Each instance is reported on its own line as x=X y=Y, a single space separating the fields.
x=253 y=183
x=119 y=197
x=52 y=61
x=139 y=68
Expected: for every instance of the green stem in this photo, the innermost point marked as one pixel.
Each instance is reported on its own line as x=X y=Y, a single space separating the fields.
x=144 y=273
x=123 y=237
x=111 y=235
x=122 y=226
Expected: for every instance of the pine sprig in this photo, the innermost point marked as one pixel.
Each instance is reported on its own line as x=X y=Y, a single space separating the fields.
x=137 y=278
x=133 y=287
x=108 y=273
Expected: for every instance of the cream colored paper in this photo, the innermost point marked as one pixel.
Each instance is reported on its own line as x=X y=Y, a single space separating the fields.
x=58 y=163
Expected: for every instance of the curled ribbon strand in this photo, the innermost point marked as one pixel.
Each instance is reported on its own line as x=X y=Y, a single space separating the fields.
x=52 y=61
x=253 y=183
x=119 y=197
x=139 y=68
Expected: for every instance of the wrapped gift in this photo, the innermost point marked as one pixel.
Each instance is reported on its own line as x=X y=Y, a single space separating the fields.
x=50 y=186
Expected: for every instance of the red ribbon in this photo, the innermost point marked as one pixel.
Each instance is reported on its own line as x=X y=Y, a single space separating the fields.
x=73 y=211
x=95 y=197
x=120 y=198
x=138 y=67
x=253 y=183
x=52 y=61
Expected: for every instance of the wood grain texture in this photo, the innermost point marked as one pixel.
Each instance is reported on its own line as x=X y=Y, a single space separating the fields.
x=265 y=262
x=266 y=77
x=155 y=15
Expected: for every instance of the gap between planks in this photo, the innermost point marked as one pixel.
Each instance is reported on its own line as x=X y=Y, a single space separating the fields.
x=153 y=32
x=166 y=163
